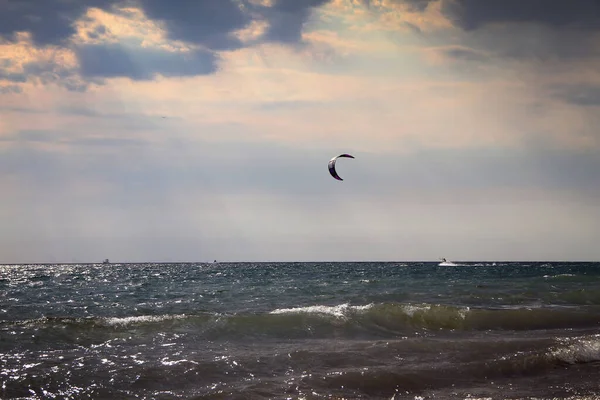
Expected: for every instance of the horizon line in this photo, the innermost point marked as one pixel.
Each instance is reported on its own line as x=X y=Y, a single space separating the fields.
x=287 y=262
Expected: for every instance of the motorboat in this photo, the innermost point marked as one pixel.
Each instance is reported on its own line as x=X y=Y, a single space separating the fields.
x=446 y=263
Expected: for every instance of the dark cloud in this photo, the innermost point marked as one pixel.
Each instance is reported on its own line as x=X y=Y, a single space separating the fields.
x=539 y=30
x=113 y=60
x=7 y=75
x=212 y=23
x=581 y=95
x=535 y=43
x=534 y=30
x=209 y=23
x=413 y=27
x=286 y=19
x=13 y=76
x=473 y=14
x=97 y=32
x=53 y=72
x=99 y=61
x=48 y=21
x=413 y=5
x=47 y=71
x=465 y=54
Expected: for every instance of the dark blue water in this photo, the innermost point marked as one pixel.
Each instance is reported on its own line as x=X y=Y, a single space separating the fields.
x=300 y=331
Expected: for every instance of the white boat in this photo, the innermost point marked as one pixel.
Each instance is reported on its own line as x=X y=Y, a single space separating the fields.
x=446 y=263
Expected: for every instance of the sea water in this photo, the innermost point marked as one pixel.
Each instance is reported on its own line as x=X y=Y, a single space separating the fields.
x=320 y=330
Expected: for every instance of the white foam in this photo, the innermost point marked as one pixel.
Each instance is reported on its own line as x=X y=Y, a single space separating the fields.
x=411 y=309
x=166 y=361
x=338 y=311
x=558 y=276
x=141 y=319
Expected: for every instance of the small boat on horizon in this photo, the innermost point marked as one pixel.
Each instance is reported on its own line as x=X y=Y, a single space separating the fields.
x=446 y=263
x=106 y=261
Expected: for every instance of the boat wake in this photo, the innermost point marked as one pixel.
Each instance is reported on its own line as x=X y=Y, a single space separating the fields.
x=446 y=263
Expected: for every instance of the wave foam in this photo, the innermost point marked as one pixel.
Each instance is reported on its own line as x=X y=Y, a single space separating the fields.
x=340 y=311
x=113 y=321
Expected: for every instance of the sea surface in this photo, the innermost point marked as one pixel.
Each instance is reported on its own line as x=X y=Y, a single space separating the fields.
x=321 y=330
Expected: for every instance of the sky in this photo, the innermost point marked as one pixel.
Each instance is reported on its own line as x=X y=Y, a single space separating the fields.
x=196 y=130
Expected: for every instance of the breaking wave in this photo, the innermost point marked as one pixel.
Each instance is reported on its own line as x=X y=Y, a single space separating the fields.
x=344 y=320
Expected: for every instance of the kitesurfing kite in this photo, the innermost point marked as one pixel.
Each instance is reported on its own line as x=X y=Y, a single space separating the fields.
x=331 y=165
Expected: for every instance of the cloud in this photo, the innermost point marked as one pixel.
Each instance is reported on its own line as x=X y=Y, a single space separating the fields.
x=535 y=43
x=474 y=14
x=412 y=5
x=463 y=62
x=108 y=61
x=17 y=77
x=513 y=29
x=53 y=72
x=103 y=39
x=486 y=129
x=581 y=95
x=286 y=19
x=533 y=30
x=49 y=22
x=209 y=22
x=466 y=54
x=10 y=89
x=215 y=23
x=414 y=16
x=417 y=5
x=107 y=40
x=22 y=62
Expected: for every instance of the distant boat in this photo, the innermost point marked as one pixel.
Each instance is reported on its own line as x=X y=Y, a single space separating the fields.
x=446 y=263
x=106 y=261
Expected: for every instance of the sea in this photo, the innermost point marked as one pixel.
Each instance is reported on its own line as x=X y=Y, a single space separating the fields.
x=304 y=330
